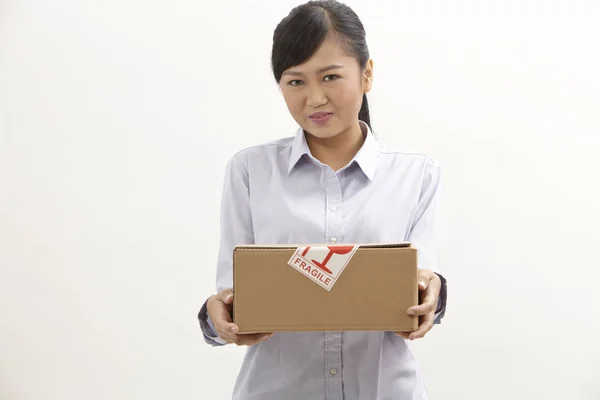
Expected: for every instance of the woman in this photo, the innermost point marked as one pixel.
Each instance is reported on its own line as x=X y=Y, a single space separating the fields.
x=332 y=182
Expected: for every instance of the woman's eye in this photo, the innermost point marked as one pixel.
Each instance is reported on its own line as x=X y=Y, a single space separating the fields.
x=295 y=82
x=330 y=77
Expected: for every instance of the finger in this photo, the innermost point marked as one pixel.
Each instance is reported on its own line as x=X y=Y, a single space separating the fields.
x=226 y=296
x=252 y=339
x=229 y=334
x=430 y=299
x=428 y=305
x=404 y=335
x=226 y=333
x=220 y=314
x=221 y=318
x=227 y=329
x=424 y=327
x=423 y=279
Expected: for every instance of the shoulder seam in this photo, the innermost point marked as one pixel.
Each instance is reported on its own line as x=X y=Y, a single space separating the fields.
x=260 y=146
x=408 y=153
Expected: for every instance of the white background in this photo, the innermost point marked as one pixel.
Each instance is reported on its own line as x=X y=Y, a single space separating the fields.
x=117 y=119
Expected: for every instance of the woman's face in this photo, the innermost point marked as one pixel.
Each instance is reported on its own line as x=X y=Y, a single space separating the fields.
x=324 y=95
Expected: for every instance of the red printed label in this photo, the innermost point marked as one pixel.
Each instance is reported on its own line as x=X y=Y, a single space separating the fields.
x=322 y=264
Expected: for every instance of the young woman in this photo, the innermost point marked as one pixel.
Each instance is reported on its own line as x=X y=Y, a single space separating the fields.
x=330 y=183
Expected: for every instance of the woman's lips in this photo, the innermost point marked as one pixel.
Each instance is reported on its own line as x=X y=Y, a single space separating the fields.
x=320 y=118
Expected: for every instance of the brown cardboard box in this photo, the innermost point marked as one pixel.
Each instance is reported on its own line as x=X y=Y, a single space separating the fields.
x=376 y=286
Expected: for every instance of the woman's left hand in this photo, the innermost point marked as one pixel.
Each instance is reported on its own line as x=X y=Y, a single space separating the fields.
x=430 y=286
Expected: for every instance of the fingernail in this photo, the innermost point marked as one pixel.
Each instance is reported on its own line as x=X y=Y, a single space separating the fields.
x=228 y=297
x=411 y=312
x=422 y=284
x=235 y=329
x=265 y=337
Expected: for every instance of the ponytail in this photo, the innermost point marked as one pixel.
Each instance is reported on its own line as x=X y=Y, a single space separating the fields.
x=363 y=114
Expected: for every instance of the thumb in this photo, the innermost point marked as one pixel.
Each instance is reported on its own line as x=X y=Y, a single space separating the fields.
x=423 y=280
x=227 y=296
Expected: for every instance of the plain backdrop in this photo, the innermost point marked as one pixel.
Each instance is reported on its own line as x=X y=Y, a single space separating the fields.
x=117 y=119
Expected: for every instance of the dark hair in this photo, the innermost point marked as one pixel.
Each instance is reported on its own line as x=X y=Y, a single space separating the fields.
x=299 y=35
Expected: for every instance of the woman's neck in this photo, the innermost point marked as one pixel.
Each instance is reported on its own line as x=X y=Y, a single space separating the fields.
x=339 y=150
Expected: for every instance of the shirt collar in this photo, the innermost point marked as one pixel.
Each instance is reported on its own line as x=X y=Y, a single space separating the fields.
x=366 y=158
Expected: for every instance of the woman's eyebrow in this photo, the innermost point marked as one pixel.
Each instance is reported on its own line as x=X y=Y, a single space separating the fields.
x=319 y=71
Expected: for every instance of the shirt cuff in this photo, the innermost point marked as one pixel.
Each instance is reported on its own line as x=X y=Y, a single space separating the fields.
x=441 y=307
x=208 y=329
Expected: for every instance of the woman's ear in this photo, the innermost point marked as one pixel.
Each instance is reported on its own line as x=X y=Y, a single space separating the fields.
x=368 y=76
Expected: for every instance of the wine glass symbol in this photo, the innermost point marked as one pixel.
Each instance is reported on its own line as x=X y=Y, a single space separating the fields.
x=332 y=250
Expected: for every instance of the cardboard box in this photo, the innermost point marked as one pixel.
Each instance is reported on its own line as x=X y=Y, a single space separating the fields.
x=325 y=288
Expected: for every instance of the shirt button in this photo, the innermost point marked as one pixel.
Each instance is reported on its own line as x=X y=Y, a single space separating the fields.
x=333 y=371
x=333 y=208
x=333 y=240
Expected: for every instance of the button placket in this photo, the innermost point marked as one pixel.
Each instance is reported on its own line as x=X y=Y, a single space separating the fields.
x=333 y=213
x=333 y=366
x=334 y=235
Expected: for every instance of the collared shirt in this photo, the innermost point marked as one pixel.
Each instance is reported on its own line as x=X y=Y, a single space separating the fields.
x=278 y=193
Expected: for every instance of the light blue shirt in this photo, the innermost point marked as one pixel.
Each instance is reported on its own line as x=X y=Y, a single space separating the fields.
x=278 y=193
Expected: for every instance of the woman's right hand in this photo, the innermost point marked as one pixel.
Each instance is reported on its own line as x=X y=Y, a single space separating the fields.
x=219 y=308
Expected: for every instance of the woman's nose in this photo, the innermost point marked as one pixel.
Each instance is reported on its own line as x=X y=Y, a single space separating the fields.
x=316 y=98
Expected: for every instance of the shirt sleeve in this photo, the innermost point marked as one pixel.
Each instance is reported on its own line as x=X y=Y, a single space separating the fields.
x=425 y=230
x=235 y=229
x=208 y=329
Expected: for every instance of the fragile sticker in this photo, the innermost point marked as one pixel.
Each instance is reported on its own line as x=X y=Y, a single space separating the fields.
x=322 y=264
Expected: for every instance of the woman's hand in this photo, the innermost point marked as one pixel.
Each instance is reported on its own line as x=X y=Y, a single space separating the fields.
x=219 y=308
x=429 y=287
